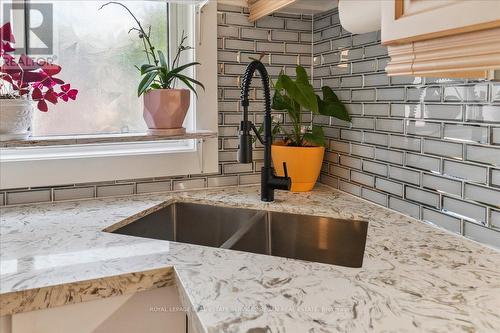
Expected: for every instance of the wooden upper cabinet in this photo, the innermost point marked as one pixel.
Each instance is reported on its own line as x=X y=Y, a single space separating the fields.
x=261 y=8
x=406 y=21
x=442 y=38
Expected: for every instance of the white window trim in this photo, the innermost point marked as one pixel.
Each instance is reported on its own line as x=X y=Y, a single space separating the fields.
x=50 y=166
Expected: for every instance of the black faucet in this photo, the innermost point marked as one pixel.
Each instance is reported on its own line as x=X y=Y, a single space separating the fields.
x=269 y=181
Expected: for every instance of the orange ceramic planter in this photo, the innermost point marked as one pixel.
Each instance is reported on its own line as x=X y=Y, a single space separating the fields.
x=303 y=164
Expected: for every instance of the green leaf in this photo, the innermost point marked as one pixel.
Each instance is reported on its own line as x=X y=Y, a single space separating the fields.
x=191 y=80
x=146 y=68
x=329 y=95
x=316 y=137
x=333 y=109
x=189 y=85
x=183 y=67
x=301 y=93
x=146 y=82
x=163 y=61
x=302 y=75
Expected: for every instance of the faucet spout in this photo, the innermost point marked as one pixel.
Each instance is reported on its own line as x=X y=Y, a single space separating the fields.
x=269 y=180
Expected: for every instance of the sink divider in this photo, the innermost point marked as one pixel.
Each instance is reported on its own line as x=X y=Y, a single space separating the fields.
x=231 y=241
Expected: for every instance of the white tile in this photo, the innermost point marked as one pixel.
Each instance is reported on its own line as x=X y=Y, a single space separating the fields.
x=424 y=128
x=442 y=184
x=482 y=194
x=464 y=209
x=465 y=171
x=404 y=207
x=423 y=162
x=375 y=168
x=405 y=175
x=482 y=113
x=482 y=234
x=389 y=186
x=421 y=196
x=483 y=154
x=441 y=220
x=443 y=148
x=466 y=133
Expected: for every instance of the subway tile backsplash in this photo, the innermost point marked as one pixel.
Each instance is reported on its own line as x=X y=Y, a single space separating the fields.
x=436 y=141
x=428 y=148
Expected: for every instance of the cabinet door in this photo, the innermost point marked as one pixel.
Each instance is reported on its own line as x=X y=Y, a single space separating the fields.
x=405 y=21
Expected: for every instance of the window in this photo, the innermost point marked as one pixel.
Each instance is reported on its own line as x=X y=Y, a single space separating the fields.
x=98 y=55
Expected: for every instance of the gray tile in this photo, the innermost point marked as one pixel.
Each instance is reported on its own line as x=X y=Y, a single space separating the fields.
x=363 y=122
x=374 y=196
x=341 y=43
x=495 y=218
x=389 y=186
x=228 y=31
x=30 y=196
x=443 y=111
x=482 y=234
x=495 y=177
x=330 y=32
x=362 y=150
x=472 y=93
x=466 y=133
x=406 y=79
x=233 y=44
x=423 y=128
x=390 y=94
x=465 y=171
x=152 y=187
x=406 y=110
x=351 y=135
x=376 y=80
x=376 y=109
x=376 y=138
x=271 y=22
x=249 y=179
x=404 y=207
x=298 y=25
x=115 y=190
x=495 y=135
x=390 y=156
x=74 y=193
x=423 y=162
x=443 y=148
x=364 y=66
x=421 y=196
x=237 y=168
x=363 y=95
x=483 y=154
x=389 y=125
x=442 y=220
x=483 y=113
x=238 y=19
x=288 y=36
x=340 y=146
x=495 y=93
x=255 y=33
x=375 y=51
x=350 y=162
x=424 y=94
x=367 y=38
x=330 y=181
x=442 y=184
x=322 y=23
x=298 y=48
x=351 y=81
x=270 y=47
x=464 y=209
x=350 y=188
x=339 y=172
x=189 y=184
x=362 y=178
x=483 y=194
x=375 y=168
x=405 y=142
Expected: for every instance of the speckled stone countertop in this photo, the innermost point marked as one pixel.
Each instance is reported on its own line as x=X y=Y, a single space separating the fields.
x=415 y=277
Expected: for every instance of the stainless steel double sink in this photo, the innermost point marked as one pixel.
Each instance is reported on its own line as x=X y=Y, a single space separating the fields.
x=305 y=237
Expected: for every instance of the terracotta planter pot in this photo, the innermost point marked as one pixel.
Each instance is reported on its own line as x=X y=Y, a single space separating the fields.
x=15 y=119
x=165 y=110
x=303 y=164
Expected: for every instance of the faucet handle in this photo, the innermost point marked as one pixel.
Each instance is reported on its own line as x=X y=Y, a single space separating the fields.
x=285 y=170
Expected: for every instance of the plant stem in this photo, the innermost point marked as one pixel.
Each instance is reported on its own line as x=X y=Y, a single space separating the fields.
x=145 y=36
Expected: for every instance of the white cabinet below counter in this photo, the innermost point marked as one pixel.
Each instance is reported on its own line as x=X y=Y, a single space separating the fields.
x=152 y=311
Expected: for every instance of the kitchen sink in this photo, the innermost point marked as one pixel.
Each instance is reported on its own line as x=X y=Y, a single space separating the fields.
x=305 y=237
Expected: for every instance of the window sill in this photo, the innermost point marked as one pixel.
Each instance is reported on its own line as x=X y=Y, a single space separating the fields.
x=103 y=138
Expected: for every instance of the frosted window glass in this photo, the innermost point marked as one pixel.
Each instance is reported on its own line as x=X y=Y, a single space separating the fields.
x=98 y=55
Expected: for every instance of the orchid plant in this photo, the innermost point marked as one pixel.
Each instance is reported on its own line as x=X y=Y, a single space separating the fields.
x=158 y=73
x=25 y=77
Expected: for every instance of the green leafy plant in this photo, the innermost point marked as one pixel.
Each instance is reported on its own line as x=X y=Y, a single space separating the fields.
x=158 y=73
x=297 y=96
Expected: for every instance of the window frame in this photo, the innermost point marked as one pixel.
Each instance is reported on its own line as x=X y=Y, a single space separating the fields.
x=49 y=166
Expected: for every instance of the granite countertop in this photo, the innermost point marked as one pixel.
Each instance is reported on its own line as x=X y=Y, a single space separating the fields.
x=414 y=278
